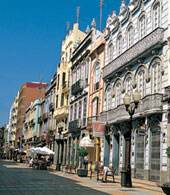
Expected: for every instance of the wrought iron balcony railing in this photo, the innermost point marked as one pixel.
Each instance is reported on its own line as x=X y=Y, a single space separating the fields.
x=77 y=87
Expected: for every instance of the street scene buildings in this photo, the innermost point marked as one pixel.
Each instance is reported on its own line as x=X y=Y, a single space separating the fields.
x=111 y=89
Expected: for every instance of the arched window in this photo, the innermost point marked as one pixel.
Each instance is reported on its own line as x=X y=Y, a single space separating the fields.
x=118 y=93
x=109 y=98
x=156 y=15
x=110 y=52
x=128 y=85
x=130 y=36
x=156 y=76
x=141 y=84
x=142 y=26
x=119 y=44
x=96 y=76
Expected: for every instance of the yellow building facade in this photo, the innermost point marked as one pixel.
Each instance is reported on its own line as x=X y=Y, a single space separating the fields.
x=63 y=88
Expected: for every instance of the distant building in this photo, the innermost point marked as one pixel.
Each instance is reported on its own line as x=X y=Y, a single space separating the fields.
x=28 y=93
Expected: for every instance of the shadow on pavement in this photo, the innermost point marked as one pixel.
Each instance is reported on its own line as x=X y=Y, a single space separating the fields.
x=16 y=179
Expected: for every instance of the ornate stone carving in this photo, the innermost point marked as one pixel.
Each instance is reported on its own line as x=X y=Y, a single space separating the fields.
x=151 y=40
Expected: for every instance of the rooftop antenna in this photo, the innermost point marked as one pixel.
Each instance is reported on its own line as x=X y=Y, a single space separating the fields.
x=68 y=27
x=101 y=6
x=77 y=13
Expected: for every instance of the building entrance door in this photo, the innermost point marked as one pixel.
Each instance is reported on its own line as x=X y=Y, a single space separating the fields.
x=140 y=157
x=155 y=156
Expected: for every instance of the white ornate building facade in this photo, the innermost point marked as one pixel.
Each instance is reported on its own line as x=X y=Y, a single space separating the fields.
x=137 y=58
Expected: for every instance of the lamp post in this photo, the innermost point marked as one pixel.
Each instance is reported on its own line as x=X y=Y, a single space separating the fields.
x=130 y=108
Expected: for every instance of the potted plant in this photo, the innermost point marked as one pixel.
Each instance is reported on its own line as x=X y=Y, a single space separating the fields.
x=82 y=172
x=166 y=186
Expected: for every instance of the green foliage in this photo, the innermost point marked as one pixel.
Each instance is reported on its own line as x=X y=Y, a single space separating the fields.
x=168 y=152
x=82 y=152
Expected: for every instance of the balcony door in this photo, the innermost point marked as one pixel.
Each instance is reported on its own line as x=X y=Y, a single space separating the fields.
x=139 y=157
x=155 y=155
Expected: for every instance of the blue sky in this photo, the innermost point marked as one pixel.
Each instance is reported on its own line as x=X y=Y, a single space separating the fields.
x=31 y=32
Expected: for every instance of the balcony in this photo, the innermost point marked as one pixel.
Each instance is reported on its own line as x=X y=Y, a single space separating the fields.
x=150 y=104
x=65 y=87
x=77 y=87
x=61 y=112
x=51 y=107
x=151 y=41
x=76 y=124
x=91 y=120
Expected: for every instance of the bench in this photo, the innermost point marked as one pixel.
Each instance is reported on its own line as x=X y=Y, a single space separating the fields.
x=104 y=176
x=110 y=173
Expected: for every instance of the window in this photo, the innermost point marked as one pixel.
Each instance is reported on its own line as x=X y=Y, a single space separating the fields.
x=62 y=99
x=78 y=73
x=130 y=36
x=156 y=76
x=75 y=111
x=71 y=113
x=85 y=108
x=80 y=109
x=66 y=57
x=58 y=83
x=67 y=99
x=70 y=53
x=156 y=15
x=64 y=78
x=118 y=94
x=119 y=44
x=56 y=101
x=141 y=84
x=142 y=26
x=109 y=99
x=87 y=71
x=128 y=85
x=66 y=124
x=110 y=52
x=83 y=71
x=96 y=76
x=95 y=106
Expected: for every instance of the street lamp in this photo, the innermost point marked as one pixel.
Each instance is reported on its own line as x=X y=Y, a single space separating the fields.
x=130 y=108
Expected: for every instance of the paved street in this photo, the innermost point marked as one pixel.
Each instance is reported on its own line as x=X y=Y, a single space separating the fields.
x=16 y=178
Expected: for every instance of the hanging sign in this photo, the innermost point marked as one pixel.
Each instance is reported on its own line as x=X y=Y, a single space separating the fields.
x=98 y=129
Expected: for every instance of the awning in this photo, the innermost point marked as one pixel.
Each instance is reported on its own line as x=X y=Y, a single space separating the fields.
x=86 y=142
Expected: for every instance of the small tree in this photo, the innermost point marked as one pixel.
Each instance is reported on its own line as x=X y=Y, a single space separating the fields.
x=82 y=152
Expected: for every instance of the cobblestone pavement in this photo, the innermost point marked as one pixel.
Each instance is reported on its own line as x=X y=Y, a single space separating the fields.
x=16 y=178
